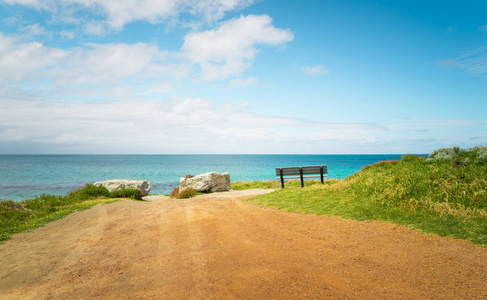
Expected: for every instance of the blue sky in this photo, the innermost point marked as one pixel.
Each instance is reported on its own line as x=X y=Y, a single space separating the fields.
x=242 y=76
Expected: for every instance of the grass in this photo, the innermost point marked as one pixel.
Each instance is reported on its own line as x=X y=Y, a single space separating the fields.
x=447 y=197
x=186 y=193
x=271 y=184
x=24 y=216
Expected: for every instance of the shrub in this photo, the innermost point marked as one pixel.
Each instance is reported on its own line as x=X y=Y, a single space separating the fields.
x=481 y=153
x=46 y=203
x=12 y=212
x=89 y=191
x=442 y=154
x=175 y=192
x=482 y=158
x=11 y=205
x=127 y=193
x=187 y=193
x=459 y=157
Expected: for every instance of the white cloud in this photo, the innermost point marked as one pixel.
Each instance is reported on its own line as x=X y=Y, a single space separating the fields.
x=119 y=13
x=95 y=28
x=94 y=64
x=216 y=9
x=155 y=11
x=219 y=53
x=39 y=4
x=104 y=63
x=229 y=49
x=483 y=28
x=315 y=70
x=19 y=60
x=238 y=82
x=191 y=125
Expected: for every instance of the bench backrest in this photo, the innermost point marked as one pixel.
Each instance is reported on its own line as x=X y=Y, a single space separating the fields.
x=308 y=170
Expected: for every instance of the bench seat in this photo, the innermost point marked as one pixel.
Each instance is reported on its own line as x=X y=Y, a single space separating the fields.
x=300 y=172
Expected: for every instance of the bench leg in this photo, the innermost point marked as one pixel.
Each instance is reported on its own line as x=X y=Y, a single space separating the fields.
x=282 y=178
x=301 y=175
x=321 y=174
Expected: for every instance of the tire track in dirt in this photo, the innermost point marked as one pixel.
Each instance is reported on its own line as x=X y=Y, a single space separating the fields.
x=218 y=247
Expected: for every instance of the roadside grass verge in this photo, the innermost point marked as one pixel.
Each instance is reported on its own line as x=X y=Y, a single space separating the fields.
x=446 y=197
x=16 y=217
x=271 y=184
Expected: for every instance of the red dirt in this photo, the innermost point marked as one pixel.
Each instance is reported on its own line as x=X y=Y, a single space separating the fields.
x=218 y=247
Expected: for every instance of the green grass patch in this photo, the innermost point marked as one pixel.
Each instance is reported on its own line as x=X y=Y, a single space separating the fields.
x=24 y=216
x=447 y=197
x=271 y=184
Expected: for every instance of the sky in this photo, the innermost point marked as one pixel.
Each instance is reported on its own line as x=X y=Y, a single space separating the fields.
x=242 y=76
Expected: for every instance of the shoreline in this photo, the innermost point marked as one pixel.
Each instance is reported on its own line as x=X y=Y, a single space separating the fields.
x=26 y=177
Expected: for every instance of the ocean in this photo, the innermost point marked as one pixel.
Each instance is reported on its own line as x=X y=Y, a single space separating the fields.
x=27 y=176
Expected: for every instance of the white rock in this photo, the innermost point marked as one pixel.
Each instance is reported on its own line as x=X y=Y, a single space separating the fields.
x=118 y=184
x=207 y=182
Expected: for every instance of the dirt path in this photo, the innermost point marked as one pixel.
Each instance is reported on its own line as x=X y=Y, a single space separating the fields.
x=218 y=247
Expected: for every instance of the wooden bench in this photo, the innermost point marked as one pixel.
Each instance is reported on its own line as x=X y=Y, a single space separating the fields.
x=300 y=172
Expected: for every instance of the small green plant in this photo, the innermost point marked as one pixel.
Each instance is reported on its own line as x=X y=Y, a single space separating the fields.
x=88 y=191
x=127 y=193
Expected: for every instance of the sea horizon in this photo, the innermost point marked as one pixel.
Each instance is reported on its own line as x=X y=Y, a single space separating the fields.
x=67 y=154
x=25 y=176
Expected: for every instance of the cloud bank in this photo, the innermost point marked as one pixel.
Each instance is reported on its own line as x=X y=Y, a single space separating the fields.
x=116 y=14
x=190 y=125
x=217 y=54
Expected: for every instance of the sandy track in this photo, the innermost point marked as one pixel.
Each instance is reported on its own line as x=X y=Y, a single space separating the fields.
x=218 y=247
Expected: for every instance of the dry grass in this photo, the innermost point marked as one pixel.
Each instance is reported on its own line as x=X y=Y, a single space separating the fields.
x=184 y=194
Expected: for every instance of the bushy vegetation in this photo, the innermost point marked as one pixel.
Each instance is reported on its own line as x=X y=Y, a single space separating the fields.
x=445 y=194
x=127 y=193
x=459 y=157
x=480 y=153
x=29 y=214
x=184 y=194
x=174 y=192
x=444 y=154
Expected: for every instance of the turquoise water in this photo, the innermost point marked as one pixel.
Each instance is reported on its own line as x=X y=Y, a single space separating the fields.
x=27 y=176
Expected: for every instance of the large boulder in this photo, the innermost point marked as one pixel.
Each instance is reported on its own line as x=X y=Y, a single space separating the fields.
x=208 y=182
x=113 y=185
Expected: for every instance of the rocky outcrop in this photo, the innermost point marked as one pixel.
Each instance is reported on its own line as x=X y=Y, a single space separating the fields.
x=207 y=182
x=113 y=185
